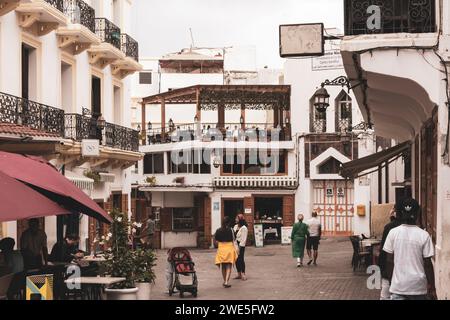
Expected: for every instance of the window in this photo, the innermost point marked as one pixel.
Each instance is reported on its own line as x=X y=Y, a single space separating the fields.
x=318 y=120
x=145 y=77
x=331 y=166
x=343 y=112
x=262 y=164
x=195 y=161
x=183 y=219
x=154 y=163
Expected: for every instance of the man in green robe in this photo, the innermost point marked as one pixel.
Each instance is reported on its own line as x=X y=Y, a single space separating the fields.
x=298 y=238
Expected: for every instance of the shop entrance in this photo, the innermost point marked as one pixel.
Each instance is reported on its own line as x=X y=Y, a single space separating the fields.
x=269 y=213
x=232 y=207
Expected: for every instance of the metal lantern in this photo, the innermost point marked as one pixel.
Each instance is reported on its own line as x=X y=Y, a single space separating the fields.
x=101 y=122
x=287 y=121
x=171 y=124
x=138 y=128
x=321 y=100
x=149 y=126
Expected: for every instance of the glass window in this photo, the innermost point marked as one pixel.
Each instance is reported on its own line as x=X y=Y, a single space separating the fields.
x=154 y=163
x=183 y=219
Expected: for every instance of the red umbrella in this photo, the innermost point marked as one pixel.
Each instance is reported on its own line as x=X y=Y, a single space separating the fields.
x=43 y=177
x=18 y=201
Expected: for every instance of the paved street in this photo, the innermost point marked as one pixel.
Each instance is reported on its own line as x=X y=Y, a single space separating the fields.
x=272 y=274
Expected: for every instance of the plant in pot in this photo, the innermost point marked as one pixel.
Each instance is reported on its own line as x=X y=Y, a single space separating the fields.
x=144 y=262
x=120 y=260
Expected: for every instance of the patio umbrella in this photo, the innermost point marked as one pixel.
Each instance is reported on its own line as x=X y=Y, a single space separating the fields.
x=18 y=201
x=44 y=178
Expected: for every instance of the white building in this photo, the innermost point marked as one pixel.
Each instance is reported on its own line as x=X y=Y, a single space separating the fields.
x=66 y=63
x=403 y=71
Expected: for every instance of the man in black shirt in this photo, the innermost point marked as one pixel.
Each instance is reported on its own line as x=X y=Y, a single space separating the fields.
x=385 y=285
x=66 y=251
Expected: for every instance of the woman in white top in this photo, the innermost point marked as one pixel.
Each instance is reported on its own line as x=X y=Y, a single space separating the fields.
x=241 y=238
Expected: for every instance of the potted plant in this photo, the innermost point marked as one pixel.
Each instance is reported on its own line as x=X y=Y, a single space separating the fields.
x=144 y=276
x=93 y=175
x=151 y=181
x=120 y=260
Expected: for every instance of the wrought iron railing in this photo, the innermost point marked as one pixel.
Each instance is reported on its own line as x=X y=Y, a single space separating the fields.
x=108 y=32
x=58 y=4
x=80 y=12
x=396 y=16
x=121 y=137
x=79 y=127
x=31 y=114
x=319 y=125
x=130 y=46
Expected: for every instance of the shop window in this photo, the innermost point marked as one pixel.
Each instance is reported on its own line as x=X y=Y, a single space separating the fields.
x=183 y=219
x=331 y=166
x=154 y=163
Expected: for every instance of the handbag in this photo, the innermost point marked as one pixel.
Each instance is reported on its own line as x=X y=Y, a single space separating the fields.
x=235 y=244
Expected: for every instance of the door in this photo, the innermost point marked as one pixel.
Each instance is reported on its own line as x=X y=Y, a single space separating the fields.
x=334 y=203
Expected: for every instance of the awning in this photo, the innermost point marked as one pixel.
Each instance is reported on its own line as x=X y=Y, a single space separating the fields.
x=353 y=169
x=80 y=181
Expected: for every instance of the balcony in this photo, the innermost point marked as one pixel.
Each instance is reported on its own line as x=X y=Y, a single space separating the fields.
x=255 y=182
x=110 y=48
x=397 y=16
x=40 y=17
x=79 y=127
x=79 y=35
x=130 y=63
x=27 y=113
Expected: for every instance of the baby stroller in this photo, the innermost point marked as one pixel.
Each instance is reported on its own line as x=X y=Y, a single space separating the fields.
x=185 y=277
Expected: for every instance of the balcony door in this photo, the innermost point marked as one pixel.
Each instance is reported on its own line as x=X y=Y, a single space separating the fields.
x=67 y=87
x=29 y=72
x=96 y=96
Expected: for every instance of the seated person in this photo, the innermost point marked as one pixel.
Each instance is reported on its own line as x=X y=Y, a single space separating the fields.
x=11 y=261
x=67 y=250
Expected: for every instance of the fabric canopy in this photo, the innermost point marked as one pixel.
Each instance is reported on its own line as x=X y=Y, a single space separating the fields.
x=18 y=201
x=353 y=168
x=43 y=177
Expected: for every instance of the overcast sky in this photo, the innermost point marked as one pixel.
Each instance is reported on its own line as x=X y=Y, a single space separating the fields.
x=162 y=26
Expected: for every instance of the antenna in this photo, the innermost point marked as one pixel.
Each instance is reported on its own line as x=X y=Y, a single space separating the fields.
x=192 y=38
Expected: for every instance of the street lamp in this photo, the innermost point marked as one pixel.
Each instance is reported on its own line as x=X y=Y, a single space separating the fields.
x=171 y=124
x=139 y=128
x=101 y=122
x=287 y=121
x=321 y=99
x=149 y=126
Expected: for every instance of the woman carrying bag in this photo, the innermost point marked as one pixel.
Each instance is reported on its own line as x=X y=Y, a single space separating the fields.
x=226 y=253
x=241 y=239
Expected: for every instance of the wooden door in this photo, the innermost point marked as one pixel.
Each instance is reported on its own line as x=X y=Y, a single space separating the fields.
x=334 y=203
x=289 y=210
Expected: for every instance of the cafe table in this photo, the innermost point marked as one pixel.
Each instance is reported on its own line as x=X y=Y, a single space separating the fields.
x=370 y=245
x=94 y=258
x=94 y=285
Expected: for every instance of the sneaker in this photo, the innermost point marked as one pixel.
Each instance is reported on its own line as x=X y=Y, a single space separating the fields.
x=309 y=263
x=227 y=286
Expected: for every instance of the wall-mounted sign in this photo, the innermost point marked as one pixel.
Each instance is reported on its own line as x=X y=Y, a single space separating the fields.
x=297 y=40
x=90 y=148
x=259 y=235
x=286 y=235
x=248 y=210
x=216 y=206
x=330 y=192
x=331 y=60
x=340 y=192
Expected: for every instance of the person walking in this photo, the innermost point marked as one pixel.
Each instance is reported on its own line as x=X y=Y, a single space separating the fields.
x=226 y=253
x=298 y=237
x=241 y=238
x=409 y=257
x=313 y=241
x=394 y=223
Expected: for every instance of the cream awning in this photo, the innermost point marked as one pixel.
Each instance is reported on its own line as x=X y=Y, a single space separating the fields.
x=80 y=181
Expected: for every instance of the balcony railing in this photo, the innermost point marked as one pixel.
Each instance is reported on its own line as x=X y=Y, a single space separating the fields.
x=130 y=47
x=121 y=137
x=79 y=127
x=255 y=182
x=80 y=12
x=31 y=114
x=58 y=4
x=108 y=32
x=396 y=16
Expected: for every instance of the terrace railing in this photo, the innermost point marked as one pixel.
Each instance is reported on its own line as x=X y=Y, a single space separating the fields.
x=396 y=16
x=31 y=114
x=121 y=137
x=130 y=46
x=108 y=32
x=58 y=4
x=78 y=127
x=80 y=12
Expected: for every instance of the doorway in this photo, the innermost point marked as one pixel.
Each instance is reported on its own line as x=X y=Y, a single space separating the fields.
x=232 y=207
x=29 y=72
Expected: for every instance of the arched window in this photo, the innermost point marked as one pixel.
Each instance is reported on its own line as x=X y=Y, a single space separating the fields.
x=317 y=120
x=343 y=112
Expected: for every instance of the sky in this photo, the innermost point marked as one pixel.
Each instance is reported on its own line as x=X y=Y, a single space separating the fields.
x=162 y=26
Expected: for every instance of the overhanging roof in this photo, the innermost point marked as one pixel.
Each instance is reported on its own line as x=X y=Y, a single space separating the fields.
x=353 y=168
x=209 y=97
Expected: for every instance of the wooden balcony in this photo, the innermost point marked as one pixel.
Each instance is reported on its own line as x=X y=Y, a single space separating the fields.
x=109 y=50
x=79 y=35
x=41 y=17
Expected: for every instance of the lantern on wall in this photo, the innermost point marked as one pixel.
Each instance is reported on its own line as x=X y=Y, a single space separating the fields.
x=321 y=100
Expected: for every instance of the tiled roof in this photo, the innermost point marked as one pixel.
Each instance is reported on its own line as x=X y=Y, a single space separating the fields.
x=23 y=131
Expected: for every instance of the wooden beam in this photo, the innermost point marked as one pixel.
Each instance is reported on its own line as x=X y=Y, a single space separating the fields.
x=198 y=109
x=163 y=118
x=221 y=116
x=143 y=121
x=243 y=116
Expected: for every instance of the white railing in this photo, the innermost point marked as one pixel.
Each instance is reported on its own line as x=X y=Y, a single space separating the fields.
x=255 y=182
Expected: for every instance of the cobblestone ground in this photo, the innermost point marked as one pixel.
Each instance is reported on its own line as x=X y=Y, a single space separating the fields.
x=273 y=275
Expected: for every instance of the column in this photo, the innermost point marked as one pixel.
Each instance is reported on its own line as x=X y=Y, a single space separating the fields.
x=163 y=119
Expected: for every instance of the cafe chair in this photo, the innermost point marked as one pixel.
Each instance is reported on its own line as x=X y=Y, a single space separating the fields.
x=359 y=255
x=5 y=282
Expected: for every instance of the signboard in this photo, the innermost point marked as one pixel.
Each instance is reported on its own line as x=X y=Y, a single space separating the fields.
x=259 y=237
x=286 y=235
x=299 y=40
x=90 y=148
x=39 y=287
x=330 y=192
x=216 y=206
x=248 y=210
x=331 y=60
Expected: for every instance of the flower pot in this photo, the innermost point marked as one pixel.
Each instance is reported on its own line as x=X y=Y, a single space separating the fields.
x=122 y=294
x=145 y=290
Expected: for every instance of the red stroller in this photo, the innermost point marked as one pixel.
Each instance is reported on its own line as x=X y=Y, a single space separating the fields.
x=185 y=277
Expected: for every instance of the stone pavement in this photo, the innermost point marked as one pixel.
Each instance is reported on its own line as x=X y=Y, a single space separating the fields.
x=273 y=275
